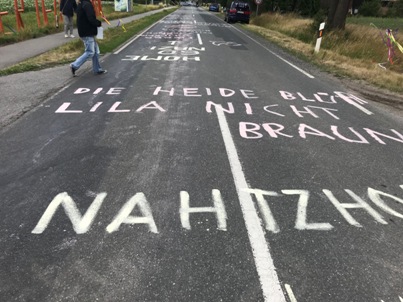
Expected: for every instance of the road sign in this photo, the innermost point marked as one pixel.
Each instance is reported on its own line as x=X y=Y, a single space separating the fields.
x=258 y=2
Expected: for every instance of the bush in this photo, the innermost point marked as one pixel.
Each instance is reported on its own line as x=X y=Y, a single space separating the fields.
x=396 y=11
x=318 y=18
x=370 y=8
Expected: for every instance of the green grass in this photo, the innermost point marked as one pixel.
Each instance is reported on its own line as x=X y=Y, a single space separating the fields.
x=381 y=23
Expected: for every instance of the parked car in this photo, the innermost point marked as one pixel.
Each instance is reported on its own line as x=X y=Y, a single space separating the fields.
x=238 y=11
x=214 y=7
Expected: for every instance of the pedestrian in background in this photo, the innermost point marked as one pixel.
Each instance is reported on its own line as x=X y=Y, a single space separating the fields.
x=67 y=8
x=87 y=26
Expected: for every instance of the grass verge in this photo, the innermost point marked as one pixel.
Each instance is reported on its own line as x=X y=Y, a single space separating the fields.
x=113 y=37
x=355 y=53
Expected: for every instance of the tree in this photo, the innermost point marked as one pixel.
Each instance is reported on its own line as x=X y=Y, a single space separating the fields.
x=337 y=13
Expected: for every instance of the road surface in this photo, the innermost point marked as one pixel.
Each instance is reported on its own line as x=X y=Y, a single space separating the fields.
x=206 y=165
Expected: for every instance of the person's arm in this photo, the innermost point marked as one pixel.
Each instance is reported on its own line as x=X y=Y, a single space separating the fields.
x=89 y=11
x=62 y=5
x=75 y=6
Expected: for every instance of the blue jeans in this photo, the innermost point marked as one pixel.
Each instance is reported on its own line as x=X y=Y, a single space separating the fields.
x=91 y=51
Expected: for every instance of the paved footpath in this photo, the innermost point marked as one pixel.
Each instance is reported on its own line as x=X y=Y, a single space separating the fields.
x=17 y=52
x=22 y=92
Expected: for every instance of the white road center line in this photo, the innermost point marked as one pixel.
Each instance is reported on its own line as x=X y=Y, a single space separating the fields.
x=264 y=263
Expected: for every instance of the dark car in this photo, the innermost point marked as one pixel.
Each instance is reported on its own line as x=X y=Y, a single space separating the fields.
x=238 y=11
x=214 y=7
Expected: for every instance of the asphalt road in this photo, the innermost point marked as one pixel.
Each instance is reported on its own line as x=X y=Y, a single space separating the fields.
x=206 y=165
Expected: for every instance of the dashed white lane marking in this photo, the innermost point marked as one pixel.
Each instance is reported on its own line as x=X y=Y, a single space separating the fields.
x=264 y=263
x=138 y=36
x=199 y=39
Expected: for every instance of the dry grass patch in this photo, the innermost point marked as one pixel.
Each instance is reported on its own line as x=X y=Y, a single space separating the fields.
x=283 y=40
x=355 y=52
x=278 y=21
x=61 y=55
x=289 y=24
x=65 y=53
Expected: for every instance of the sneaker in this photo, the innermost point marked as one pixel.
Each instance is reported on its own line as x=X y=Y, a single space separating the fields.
x=73 y=70
x=66 y=36
x=102 y=71
x=72 y=36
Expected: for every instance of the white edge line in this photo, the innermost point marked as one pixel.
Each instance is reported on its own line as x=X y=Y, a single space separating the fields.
x=138 y=36
x=273 y=53
x=278 y=56
x=290 y=293
x=269 y=281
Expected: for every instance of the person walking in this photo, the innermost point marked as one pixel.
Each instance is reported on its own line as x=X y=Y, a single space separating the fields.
x=67 y=8
x=87 y=26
